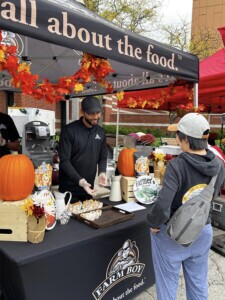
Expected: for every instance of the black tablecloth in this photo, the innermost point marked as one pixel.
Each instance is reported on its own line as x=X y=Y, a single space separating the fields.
x=74 y=260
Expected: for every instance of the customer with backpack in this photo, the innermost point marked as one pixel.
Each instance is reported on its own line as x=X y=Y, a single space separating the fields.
x=185 y=176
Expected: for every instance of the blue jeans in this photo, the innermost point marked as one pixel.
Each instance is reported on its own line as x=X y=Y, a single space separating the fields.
x=168 y=257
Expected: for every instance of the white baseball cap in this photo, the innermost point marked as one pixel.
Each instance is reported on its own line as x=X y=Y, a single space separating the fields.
x=192 y=124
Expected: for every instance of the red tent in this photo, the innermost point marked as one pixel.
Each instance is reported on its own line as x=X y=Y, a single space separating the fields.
x=212 y=82
x=211 y=89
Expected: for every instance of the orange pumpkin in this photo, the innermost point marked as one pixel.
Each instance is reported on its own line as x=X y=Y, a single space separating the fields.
x=125 y=163
x=16 y=177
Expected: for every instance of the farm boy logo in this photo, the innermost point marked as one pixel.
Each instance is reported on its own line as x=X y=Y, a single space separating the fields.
x=124 y=264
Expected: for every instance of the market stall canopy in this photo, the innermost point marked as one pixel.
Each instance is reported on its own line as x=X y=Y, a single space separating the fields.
x=53 y=34
x=212 y=82
x=211 y=91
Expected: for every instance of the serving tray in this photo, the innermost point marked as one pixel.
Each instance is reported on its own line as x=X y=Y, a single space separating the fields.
x=110 y=216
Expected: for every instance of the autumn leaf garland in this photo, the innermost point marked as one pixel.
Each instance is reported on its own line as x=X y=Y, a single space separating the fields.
x=92 y=69
x=140 y=103
x=189 y=107
x=153 y=102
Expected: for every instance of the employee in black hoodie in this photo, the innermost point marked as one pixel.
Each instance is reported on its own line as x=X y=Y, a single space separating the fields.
x=9 y=136
x=82 y=148
x=184 y=176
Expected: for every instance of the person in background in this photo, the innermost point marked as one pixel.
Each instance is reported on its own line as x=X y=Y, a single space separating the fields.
x=217 y=151
x=9 y=136
x=83 y=150
x=185 y=175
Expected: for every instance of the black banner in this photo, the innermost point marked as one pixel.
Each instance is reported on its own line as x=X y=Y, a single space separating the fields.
x=71 y=25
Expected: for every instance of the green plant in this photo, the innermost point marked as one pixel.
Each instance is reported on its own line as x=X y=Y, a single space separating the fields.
x=125 y=130
x=157 y=143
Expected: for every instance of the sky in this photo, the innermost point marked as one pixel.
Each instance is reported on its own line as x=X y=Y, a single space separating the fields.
x=173 y=10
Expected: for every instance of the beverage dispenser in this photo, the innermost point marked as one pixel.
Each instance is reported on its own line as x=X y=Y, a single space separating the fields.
x=36 y=143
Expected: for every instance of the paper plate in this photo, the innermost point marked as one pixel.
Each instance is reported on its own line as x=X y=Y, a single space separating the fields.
x=50 y=221
x=145 y=189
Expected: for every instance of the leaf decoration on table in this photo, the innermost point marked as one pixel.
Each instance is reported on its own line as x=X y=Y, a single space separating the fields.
x=92 y=69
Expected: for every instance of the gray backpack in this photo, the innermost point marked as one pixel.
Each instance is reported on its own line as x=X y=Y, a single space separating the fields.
x=190 y=218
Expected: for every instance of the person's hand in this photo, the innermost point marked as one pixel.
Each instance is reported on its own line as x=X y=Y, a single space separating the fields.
x=2 y=141
x=154 y=230
x=87 y=187
x=102 y=179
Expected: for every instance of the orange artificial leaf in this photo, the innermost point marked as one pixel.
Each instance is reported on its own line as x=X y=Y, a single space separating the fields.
x=131 y=103
x=156 y=104
x=23 y=67
x=143 y=104
x=78 y=87
x=2 y=56
x=63 y=91
x=120 y=95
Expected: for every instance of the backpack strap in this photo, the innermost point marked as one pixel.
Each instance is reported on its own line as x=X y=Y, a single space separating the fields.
x=213 y=180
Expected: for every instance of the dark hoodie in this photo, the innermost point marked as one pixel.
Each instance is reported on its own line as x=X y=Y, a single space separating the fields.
x=183 y=173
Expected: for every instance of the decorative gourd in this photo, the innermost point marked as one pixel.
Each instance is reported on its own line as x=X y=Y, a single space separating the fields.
x=16 y=177
x=125 y=163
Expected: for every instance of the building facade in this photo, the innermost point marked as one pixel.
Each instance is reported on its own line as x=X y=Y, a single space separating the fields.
x=209 y=14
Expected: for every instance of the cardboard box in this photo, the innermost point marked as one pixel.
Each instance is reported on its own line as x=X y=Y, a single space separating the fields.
x=127 y=188
x=13 y=221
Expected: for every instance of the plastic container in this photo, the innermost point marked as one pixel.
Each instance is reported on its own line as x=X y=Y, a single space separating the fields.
x=172 y=150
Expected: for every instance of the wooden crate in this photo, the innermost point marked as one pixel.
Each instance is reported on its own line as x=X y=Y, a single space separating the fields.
x=13 y=221
x=127 y=188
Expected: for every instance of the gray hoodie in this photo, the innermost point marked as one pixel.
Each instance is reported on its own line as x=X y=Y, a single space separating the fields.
x=182 y=175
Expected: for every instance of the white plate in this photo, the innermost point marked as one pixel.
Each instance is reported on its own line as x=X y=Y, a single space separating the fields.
x=145 y=189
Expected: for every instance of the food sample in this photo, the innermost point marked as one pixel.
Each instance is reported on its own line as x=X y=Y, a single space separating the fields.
x=85 y=206
x=92 y=215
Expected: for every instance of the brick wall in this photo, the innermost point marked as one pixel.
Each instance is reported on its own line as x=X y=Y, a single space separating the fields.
x=27 y=101
x=22 y=100
x=3 y=102
x=147 y=119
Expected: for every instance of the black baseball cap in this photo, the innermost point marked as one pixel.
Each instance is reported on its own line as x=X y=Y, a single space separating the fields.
x=91 y=105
